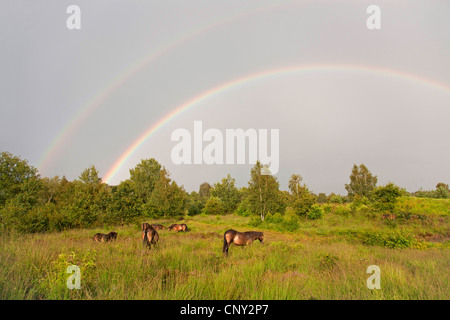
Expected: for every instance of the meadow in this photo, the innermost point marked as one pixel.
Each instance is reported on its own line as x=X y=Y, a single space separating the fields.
x=324 y=258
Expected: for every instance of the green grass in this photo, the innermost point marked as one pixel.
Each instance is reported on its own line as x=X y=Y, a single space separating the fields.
x=325 y=258
x=425 y=206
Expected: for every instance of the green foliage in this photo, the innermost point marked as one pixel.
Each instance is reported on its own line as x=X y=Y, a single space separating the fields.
x=228 y=193
x=327 y=208
x=423 y=206
x=214 y=206
x=255 y=221
x=321 y=198
x=287 y=222
x=394 y=240
x=385 y=197
x=18 y=181
x=55 y=281
x=342 y=210
x=362 y=182
x=195 y=205
x=243 y=209
x=442 y=191
x=204 y=191
x=290 y=222
x=275 y=218
x=315 y=212
x=335 y=198
x=123 y=205
x=167 y=199
x=262 y=193
x=301 y=199
x=143 y=178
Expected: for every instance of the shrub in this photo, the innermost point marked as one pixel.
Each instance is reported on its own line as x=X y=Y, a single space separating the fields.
x=255 y=221
x=315 y=212
x=442 y=193
x=275 y=218
x=342 y=210
x=290 y=222
x=214 y=206
x=243 y=209
x=393 y=240
x=385 y=197
x=194 y=209
x=327 y=208
x=336 y=198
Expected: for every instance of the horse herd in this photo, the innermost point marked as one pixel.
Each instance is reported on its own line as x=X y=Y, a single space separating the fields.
x=150 y=236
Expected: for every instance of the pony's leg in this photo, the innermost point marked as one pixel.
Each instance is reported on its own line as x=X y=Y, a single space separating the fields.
x=226 y=245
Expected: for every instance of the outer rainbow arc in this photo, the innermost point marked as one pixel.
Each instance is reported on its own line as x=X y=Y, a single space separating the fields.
x=261 y=75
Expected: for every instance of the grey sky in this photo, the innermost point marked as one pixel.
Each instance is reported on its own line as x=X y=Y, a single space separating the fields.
x=328 y=120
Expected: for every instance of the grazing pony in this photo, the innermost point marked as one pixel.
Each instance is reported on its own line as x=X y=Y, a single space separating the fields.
x=149 y=235
x=240 y=238
x=158 y=226
x=101 y=237
x=178 y=227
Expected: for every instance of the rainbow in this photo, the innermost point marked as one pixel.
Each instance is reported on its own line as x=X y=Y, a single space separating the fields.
x=93 y=104
x=111 y=172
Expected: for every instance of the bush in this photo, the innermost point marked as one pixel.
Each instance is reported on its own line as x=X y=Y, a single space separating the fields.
x=342 y=210
x=214 y=206
x=275 y=218
x=290 y=222
x=336 y=198
x=255 y=221
x=442 y=193
x=393 y=240
x=385 y=197
x=243 y=209
x=327 y=208
x=315 y=212
x=37 y=220
x=194 y=209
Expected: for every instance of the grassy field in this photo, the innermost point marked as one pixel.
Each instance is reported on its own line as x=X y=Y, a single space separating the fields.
x=325 y=258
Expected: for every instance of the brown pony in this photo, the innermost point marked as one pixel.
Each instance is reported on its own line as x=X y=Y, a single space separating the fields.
x=240 y=238
x=149 y=235
x=158 y=226
x=101 y=237
x=178 y=227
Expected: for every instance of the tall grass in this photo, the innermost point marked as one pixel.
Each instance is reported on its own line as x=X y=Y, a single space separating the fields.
x=322 y=259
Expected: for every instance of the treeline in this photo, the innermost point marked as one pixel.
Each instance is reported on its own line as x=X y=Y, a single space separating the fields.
x=31 y=203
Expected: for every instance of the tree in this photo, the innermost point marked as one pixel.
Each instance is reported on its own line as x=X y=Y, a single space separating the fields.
x=88 y=198
x=442 y=191
x=362 y=182
x=301 y=199
x=144 y=177
x=321 y=197
x=262 y=193
x=18 y=180
x=123 y=204
x=227 y=192
x=195 y=206
x=167 y=199
x=204 y=191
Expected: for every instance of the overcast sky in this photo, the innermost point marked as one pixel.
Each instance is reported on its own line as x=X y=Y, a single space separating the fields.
x=133 y=62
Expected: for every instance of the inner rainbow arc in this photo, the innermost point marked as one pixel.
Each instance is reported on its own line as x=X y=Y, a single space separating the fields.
x=112 y=171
